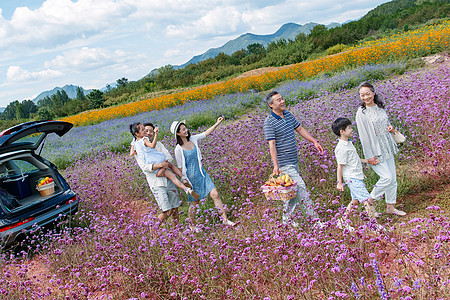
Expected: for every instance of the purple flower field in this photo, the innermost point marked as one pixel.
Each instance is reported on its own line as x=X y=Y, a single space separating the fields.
x=113 y=249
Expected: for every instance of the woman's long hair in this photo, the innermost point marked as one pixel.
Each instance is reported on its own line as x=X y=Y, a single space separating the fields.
x=179 y=140
x=377 y=100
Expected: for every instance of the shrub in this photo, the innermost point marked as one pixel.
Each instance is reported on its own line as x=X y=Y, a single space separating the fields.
x=335 y=49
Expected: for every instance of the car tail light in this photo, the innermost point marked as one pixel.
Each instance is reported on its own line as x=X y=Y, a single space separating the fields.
x=16 y=224
x=71 y=200
x=5 y=132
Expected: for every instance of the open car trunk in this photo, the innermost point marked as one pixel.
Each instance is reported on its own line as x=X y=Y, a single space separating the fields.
x=19 y=176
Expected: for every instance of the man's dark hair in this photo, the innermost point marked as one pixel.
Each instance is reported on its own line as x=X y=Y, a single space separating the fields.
x=340 y=124
x=149 y=124
x=269 y=97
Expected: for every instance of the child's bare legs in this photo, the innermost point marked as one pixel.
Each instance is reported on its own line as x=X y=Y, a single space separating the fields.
x=171 y=176
x=161 y=172
x=175 y=170
x=343 y=223
x=179 y=174
x=219 y=205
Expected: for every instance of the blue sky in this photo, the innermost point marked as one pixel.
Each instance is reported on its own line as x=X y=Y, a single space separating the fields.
x=91 y=43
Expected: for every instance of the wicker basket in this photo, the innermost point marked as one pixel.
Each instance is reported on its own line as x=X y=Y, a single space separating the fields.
x=283 y=193
x=46 y=189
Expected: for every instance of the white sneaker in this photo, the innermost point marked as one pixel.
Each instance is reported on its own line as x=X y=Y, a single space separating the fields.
x=292 y=223
x=194 y=228
x=341 y=224
x=229 y=223
x=319 y=225
x=378 y=227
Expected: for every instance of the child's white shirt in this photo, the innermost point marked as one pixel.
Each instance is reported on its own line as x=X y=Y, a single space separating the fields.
x=347 y=156
x=150 y=155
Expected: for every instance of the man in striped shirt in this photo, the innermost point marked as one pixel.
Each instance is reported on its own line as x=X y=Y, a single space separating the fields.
x=279 y=128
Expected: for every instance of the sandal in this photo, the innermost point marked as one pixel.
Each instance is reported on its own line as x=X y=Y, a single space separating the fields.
x=397 y=212
x=187 y=184
x=192 y=193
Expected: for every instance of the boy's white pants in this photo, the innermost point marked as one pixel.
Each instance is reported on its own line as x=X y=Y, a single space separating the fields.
x=387 y=184
x=302 y=195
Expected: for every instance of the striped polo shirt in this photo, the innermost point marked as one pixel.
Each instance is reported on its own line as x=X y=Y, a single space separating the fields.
x=282 y=130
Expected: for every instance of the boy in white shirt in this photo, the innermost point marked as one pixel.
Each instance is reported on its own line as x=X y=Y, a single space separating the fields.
x=350 y=171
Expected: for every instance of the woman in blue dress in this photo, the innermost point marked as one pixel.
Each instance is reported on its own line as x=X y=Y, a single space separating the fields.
x=189 y=160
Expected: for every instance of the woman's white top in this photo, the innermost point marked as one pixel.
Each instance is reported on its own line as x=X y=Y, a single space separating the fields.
x=373 y=132
x=179 y=155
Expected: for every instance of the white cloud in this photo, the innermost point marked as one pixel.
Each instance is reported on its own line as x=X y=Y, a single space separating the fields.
x=86 y=59
x=220 y=20
x=172 y=52
x=17 y=74
x=58 y=22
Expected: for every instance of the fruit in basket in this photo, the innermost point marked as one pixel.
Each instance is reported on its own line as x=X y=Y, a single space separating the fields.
x=282 y=180
x=44 y=180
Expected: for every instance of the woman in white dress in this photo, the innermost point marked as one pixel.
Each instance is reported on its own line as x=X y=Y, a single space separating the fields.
x=379 y=147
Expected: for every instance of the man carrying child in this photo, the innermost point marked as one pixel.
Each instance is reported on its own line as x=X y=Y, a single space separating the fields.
x=164 y=190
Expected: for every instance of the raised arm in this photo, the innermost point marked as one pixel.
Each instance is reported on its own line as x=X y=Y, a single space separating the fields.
x=307 y=136
x=212 y=128
x=152 y=144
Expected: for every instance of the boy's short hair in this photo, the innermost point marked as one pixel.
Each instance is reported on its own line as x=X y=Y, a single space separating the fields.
x=340 y=124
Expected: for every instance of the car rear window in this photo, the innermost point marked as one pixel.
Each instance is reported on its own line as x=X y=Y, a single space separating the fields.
x=22 y=166
x=33 y=139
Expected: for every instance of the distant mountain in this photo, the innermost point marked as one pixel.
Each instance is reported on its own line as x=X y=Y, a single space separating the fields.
x=71 y=91
x=288 y=31
x=108 y=87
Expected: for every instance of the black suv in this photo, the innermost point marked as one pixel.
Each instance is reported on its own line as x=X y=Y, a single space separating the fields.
x=22 y=205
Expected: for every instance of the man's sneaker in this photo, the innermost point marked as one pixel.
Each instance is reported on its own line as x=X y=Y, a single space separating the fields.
x=319 y=225
x=194 y=228
x=377 y=227
x=230 y=223
x=341 y=224
x=292 y=223
x=371 y=211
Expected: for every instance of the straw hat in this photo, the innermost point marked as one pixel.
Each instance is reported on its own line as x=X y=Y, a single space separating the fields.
x=175 y=125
